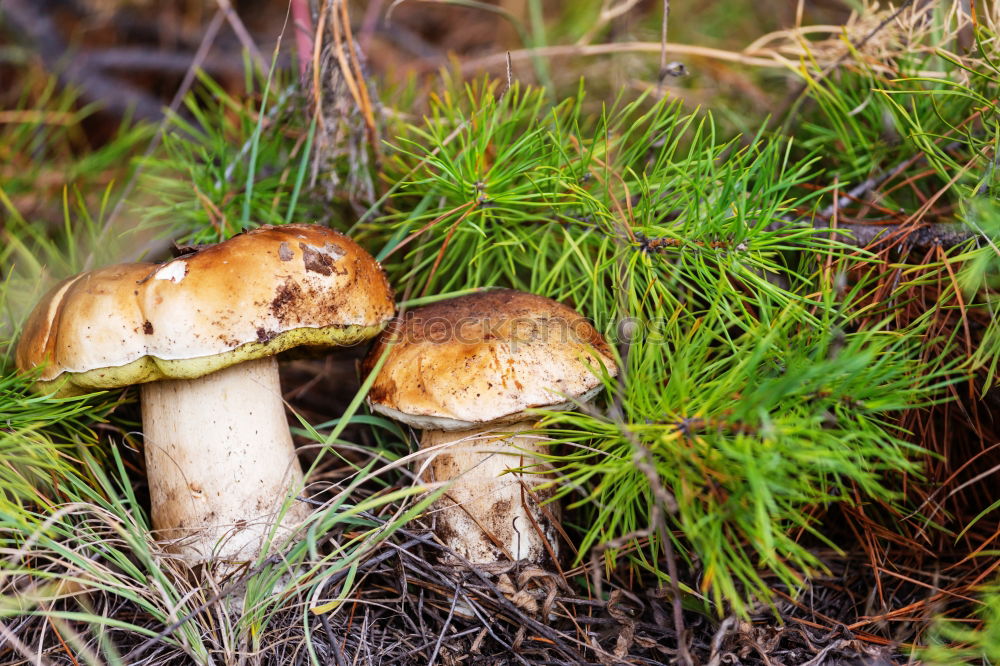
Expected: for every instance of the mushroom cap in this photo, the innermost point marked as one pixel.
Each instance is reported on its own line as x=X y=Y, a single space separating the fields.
x=486 y=357
x=254 y=295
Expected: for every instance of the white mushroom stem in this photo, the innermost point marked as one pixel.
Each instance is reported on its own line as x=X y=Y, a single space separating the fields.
x=487 y=514
x=220 y=462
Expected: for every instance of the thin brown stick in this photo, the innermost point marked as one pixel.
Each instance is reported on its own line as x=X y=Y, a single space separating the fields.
x=498 y=59
x=663 y=42
x=364 y=102
x=243 y=35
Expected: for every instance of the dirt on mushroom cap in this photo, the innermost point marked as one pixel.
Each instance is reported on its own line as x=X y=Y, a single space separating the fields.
x=483 y=357
x=256 y=294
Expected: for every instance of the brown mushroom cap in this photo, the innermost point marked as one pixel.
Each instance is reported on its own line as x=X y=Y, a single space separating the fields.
x=255 y=295
x=486 y=357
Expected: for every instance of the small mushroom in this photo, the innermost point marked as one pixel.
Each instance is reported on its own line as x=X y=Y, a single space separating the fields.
x=465 y=371
x=200 y=334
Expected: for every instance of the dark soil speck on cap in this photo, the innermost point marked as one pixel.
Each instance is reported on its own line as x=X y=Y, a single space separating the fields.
x=147 y=328
x=316 y=261
x=380 y=391
x=284 y=252
x=285 y=298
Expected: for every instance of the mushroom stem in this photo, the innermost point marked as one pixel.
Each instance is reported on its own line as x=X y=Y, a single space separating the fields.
x=220 y=461
x=486 y=514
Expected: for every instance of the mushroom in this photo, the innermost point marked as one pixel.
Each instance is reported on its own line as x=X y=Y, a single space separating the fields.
x=465 y=371
x=200 y=334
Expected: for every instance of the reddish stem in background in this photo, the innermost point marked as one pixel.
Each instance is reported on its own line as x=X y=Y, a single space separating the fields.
x=303 y=25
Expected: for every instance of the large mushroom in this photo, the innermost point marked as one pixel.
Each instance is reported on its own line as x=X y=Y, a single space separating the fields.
x=465 y=371
x=200 y=334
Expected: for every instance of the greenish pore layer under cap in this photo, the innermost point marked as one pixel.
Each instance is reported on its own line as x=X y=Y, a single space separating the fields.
x=152 y=369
